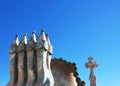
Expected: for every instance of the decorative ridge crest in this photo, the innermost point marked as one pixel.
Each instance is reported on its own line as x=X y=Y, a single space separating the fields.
x=74 y=69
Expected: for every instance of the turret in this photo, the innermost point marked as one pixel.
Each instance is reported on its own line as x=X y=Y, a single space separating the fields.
x=22 y=61
x=41 y=41
x=16 y=42
x=49 y=56
x=32 y=60
x=33 y=37
x=49 y=45
x=13 y=62
x=14 y=45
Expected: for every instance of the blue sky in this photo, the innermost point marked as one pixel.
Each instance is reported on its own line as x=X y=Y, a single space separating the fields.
x=77 y=29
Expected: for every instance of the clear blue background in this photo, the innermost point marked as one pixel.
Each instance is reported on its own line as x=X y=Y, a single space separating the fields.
x=77 y=29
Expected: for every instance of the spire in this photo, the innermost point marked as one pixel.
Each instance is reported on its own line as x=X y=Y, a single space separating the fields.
x=34 y=36
x=42 y=36
x=48 y=40
x=14 y=45
x=16 y=42
x=49 y=44
x=24 y=39
x=91 y=64
x=41 y=42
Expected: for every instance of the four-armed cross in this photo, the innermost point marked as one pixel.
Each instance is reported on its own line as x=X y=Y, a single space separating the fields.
x=91 y=65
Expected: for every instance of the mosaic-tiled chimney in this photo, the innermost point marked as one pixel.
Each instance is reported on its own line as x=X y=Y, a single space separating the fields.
x=30 y=61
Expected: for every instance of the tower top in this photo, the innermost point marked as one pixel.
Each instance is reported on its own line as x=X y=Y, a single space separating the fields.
x=90 y=63
x=42 y=41
x=16 y=42
x=24 y=39
x=42 y=30
x=34 y=36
